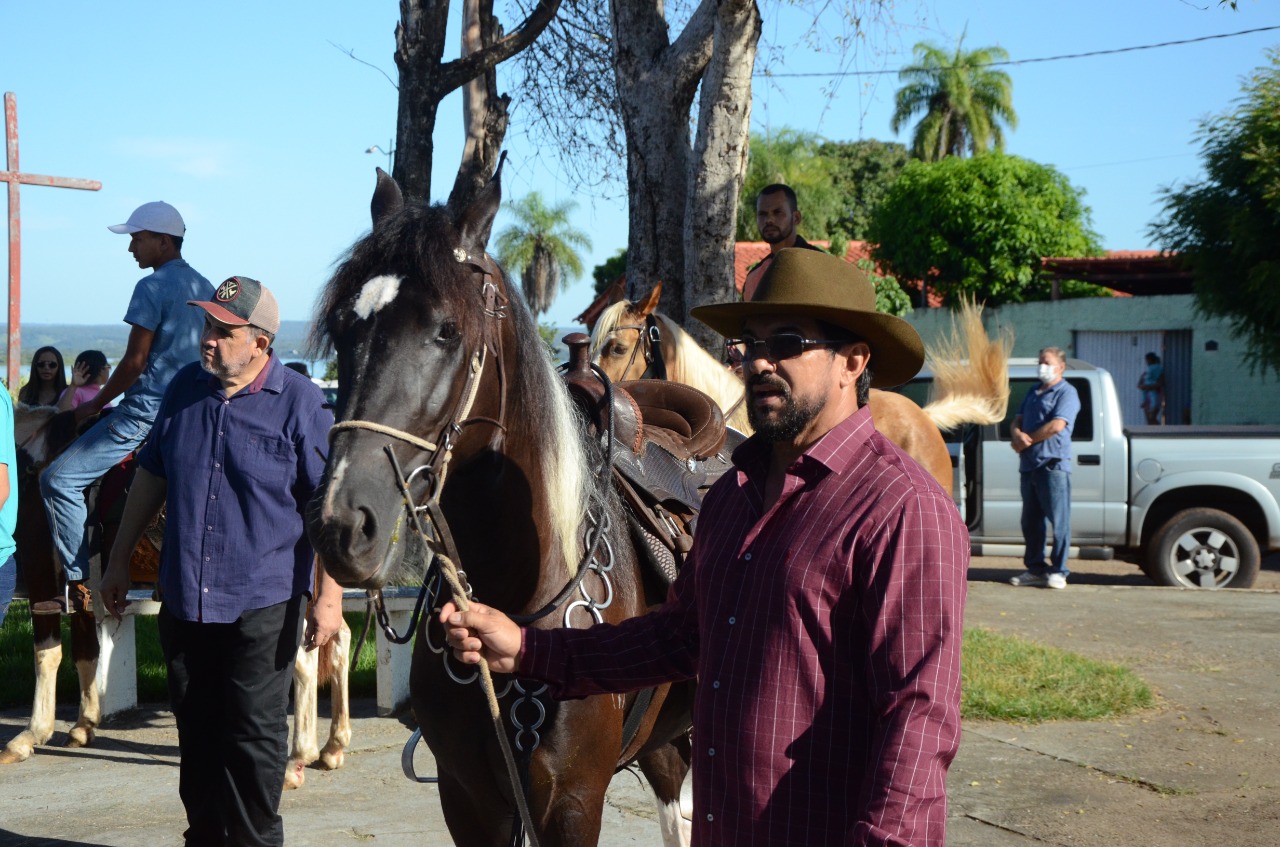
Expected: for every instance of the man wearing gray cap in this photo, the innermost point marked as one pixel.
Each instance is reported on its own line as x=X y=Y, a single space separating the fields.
x=237 y=449
x=164 y=336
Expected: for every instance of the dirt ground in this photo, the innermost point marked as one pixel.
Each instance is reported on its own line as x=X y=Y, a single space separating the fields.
x=1201 y=768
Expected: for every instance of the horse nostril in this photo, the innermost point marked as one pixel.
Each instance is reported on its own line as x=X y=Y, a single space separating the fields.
x=368 y=525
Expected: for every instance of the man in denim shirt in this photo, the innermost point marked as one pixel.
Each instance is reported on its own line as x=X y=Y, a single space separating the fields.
x=1041 y=436
x=165 y=335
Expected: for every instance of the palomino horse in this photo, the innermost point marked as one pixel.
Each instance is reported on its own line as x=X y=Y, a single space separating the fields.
x=41 y=433
x=971 y=377
x=448 y=398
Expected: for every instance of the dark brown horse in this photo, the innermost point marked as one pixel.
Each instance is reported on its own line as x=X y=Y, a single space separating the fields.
x=41 y=433
x=446 y=390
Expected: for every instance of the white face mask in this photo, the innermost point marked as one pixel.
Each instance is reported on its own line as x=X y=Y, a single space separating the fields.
x=1047 y=374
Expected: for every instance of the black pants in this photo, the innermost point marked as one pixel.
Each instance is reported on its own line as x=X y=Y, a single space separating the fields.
x=229 y=687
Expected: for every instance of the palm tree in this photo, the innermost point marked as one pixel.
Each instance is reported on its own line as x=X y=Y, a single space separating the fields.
x=541 y=248
x=962 y=98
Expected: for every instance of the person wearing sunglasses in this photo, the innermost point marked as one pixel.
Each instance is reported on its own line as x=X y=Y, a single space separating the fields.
x=164 y=335
x=48 y=378
x=822 y=603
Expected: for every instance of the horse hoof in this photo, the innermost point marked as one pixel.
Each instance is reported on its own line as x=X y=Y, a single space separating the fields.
x=11 y=756
x=79 y=737
x=331 y=760
x=294 y=775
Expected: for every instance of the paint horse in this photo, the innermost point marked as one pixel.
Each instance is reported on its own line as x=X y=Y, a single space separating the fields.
x=971 y=376
x=41 y=433
x=451 y=414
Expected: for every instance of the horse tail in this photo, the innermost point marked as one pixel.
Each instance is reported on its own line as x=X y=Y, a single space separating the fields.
x=970 y=372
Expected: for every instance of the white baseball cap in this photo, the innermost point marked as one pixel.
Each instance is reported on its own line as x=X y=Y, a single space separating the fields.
x=153 y=217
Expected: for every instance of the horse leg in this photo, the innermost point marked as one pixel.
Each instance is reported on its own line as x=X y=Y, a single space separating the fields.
x=39 y=730
x=302 y=749
x=85 y=651
x=666 y=769
x=336 y=657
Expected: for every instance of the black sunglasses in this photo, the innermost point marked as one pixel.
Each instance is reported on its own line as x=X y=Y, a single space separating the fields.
x=46 y=364
x=785 y=345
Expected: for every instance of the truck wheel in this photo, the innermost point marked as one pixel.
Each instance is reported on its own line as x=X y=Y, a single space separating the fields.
x=1203 y=548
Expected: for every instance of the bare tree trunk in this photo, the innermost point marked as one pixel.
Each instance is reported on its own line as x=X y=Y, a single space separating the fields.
x=656 y=82
x=425 y=80
x=484 y=110
x=719 y=164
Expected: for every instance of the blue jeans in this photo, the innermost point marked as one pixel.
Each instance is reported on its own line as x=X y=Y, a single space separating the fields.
x=1046 y=494
x=8 y=581
x=62 y=484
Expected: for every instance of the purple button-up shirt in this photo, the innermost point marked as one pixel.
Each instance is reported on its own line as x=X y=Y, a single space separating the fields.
x=240 y=472
x=825 y=634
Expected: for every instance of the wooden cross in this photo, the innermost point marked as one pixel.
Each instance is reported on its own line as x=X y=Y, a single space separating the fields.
x=14 y=177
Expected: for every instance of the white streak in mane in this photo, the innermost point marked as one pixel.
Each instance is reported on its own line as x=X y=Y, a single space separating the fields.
x=606 y=324
x=564 y=469
x=688 y=363
x=377 y=293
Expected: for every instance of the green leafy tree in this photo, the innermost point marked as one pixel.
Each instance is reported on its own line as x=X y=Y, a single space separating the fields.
x=607 y=272
x=981 y=226
x=890 y=298
x=541 y=248
x=862 y=173
x=1226 y=227
x=791 y=157
x=961 y=99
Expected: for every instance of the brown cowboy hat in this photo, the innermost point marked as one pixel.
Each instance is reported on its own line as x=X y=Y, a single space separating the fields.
x=815 y=284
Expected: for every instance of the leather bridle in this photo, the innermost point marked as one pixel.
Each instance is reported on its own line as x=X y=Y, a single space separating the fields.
x=648 y=341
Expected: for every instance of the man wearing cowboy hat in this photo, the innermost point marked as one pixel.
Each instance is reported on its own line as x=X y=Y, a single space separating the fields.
x=822 y=607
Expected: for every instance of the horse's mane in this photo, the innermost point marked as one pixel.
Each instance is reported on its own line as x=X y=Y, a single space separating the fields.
x=688 y=363
x=417 y=243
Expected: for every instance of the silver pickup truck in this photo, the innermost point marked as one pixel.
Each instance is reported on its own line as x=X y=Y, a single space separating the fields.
x=1194 y=506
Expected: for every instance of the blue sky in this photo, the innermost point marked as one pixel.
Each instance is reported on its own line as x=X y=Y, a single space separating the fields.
x=247 y=118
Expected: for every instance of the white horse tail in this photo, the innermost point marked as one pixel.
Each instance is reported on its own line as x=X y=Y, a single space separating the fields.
x=970 y=372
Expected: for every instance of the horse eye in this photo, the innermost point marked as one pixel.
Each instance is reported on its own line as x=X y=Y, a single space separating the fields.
x=448 y=331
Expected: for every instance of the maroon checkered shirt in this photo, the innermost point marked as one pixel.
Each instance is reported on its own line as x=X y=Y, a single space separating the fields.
x=825 y=635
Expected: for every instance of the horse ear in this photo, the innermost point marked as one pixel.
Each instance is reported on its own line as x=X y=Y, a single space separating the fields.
x=651 y=301
x=387 y=198
x=476 y=221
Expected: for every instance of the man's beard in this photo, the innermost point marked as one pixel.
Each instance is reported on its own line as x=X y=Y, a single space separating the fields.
x=794 y=417
x=778 y=236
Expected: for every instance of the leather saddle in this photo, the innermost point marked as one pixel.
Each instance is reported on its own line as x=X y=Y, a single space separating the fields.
x=670 y=443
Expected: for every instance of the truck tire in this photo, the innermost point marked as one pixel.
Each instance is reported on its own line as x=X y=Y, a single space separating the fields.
x=1203 y=548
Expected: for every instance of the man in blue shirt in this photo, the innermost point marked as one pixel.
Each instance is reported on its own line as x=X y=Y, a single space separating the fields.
x=165 y=335
x=238 y=448
x=1041 y=436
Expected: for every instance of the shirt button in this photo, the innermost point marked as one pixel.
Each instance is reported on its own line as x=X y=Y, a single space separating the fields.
x=206 y=591
x=732 y=621
x=209 y=528
x=216 y=465
x=710 y=818
x=213 y=496
x=711 y=751
x=715 y=684
x=747 y=557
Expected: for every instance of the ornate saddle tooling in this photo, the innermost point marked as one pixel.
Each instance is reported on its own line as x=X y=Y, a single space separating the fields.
x=669 y=446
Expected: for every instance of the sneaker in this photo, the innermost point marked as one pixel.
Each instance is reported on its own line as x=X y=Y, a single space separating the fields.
x=1057 y=580
x=76 y=599
x=1027 y=579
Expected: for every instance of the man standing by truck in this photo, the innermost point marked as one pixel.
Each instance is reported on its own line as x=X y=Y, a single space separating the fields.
x=1041 y=436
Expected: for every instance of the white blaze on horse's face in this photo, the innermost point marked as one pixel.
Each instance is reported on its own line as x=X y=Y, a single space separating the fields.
x=377 y=293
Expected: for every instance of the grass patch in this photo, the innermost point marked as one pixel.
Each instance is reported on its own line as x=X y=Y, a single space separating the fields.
x=1011 y=679
x=18 y=675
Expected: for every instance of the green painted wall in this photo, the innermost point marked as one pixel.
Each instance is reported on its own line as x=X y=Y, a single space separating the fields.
x=1222 y=389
